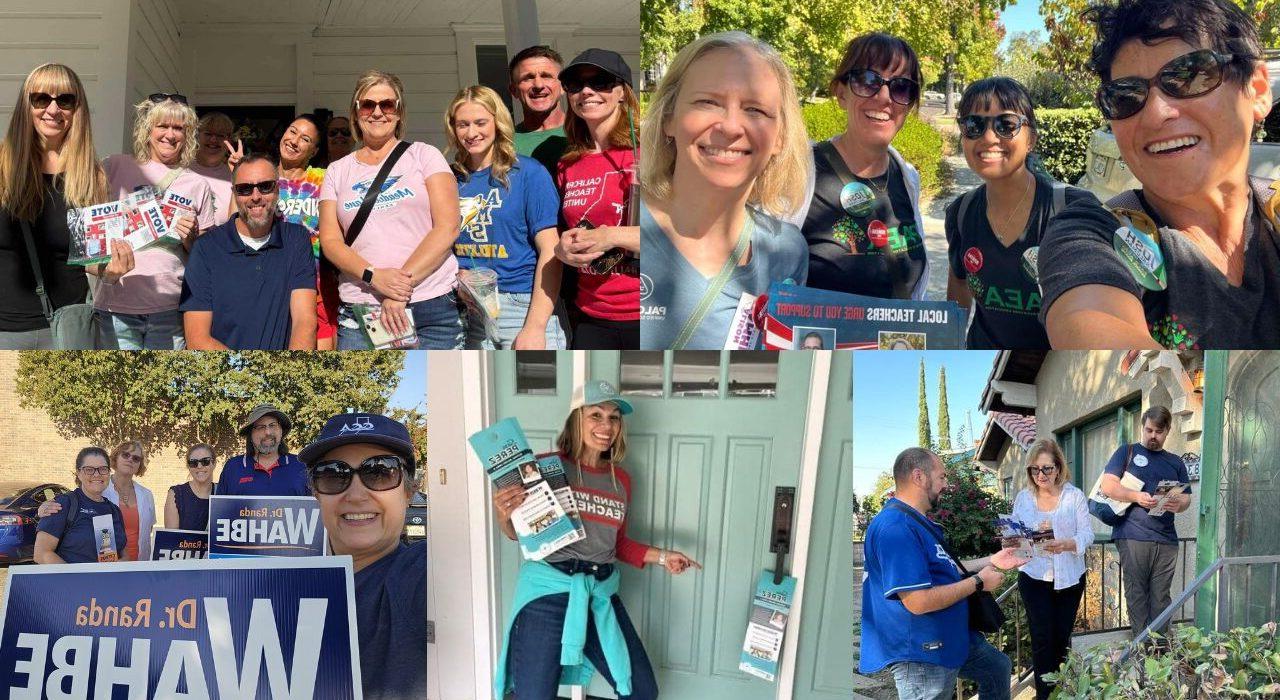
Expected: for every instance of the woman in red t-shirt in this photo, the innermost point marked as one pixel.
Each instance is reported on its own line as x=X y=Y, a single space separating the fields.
x=596 y=177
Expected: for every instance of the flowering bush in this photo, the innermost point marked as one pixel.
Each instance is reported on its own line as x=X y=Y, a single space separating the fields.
x=968 y=510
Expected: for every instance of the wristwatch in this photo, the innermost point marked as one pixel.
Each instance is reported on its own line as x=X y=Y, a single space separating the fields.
x=978 y=580
x=368 y=275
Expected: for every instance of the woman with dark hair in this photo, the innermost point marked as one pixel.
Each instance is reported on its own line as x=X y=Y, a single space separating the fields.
x=69 y=534
x=994 y=230
x=187 y=505
x=863 y=217
x=1191 y=260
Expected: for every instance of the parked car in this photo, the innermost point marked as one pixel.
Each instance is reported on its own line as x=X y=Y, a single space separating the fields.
x=415 y=519
x=18 y=503
x=932 y=96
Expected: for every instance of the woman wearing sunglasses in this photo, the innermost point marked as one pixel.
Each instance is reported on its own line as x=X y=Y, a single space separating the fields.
x=1192 y=260
x=863 y=218
x=402 y=257
x=139 y=310
x=187 y=505
x=567 y=606
x=994 y=231
x=362 y=470
x=1053 y=581
x=68 y=533
x=726 y=157
x=47 y=166
x=595 y=177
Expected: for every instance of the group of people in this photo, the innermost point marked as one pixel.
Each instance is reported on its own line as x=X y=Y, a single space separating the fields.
x=737 y=198
x=270 y=254
x=362 y=479
x=917 y=598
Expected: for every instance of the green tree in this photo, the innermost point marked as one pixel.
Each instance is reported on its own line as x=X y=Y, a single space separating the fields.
x=944 y=414
x=415 y=419
x=968 y=508
x=923 y=434
x=169 y=400
x=955 y=39
x=1020 y=59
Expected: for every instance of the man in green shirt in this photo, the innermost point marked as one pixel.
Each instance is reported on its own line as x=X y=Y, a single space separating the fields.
x=535 y=82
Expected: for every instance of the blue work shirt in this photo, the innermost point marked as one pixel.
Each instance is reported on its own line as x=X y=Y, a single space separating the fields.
x=902 y=555
x=78 y=540
x=391 y=609
x=1152 y=468
x=243 y=476
x=249 y=290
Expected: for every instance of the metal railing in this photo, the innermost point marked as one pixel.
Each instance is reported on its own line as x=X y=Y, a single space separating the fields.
x=1102 y=606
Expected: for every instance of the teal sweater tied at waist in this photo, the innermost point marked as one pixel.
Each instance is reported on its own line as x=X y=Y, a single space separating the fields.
x=586 y=594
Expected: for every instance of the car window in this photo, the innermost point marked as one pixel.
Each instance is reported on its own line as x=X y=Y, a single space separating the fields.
x=9 y=496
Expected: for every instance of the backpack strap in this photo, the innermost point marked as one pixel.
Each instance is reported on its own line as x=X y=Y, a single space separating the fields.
x=1059 y=198
x=966 y=203
x=73 y=512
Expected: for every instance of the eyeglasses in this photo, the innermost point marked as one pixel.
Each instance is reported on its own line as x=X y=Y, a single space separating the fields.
x=1189 y=75
x=245 y=189
x=390 y=107
x=377 y=473
x=200 y=462
x=158 y=97
x=1051 y=469
x=599 y=82
x=337 y=132
x=865 y=82
x=1006 y=126
x=135 y=458
x=96 y=471
x=66 y=101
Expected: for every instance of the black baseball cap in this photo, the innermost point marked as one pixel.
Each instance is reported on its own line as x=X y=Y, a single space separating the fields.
x=607 y=61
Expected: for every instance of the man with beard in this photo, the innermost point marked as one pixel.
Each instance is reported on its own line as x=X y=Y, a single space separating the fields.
x=535 y=81
x=250 y=283
x=1148 y=545
x=915 y=611
x=266 y=468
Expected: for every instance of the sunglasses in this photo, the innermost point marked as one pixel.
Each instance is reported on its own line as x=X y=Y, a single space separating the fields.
x=200 y=462
x=158 y=97
x=245 y=189
x=599 y=82
x=1189 y=75
x=136 y=459
x=337 y=132
x=378 y=473
x=865 y=82
x=1051 y=469
x=96 y=471
x=66 y=101
x=366 y=107
x=1006 y=126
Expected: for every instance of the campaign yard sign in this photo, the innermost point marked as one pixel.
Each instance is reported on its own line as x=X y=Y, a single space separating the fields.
x=283 y=629
x=265 y=526
x=791 y=314
x=179 y=544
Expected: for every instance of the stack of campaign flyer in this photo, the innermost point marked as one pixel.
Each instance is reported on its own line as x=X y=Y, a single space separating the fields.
x=1165 y=490
x=548 y=519
x=1026 y=541
x=143 y=218
x=802 y=318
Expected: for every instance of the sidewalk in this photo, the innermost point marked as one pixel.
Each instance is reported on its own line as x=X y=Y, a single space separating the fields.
x=935 y=237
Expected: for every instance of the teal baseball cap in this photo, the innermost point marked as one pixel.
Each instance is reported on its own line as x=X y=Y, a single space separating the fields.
x=598 y=391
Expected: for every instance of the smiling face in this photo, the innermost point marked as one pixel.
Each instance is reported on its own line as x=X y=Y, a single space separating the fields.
x=536 y=83
x=93 y=484
x=994 y=158
x=211 y=141
x=378 y=126
x=167 y=139
x=52 y=123
x=475 y=129
x=601 y=425
x=1038 y=477
x=595 y=106
x=1184 y=148
x=339 y=135
x=299 y=143
x=875 y=120
x=726 y=125
x=258 y=211
x=266 y=431
x=201 y=473
x=362 y=523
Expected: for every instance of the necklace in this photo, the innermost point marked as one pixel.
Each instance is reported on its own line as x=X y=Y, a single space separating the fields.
x=1013 y=211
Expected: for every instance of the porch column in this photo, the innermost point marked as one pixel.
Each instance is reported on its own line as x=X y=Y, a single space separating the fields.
x=520 y=28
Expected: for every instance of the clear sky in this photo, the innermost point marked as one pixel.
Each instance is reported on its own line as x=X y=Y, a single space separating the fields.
x=412 y=390
x=1022 y=17
x=886 y=402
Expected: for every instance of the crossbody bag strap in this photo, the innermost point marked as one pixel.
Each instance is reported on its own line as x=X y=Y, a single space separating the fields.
x=715 y=287
x=832 y=156
x=169 y=179
x=920 y=519
x=375 y=189
x=45 y=303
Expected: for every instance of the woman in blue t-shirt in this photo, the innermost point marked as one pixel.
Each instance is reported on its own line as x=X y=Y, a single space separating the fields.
x=76 y=534
x=187 y=505
x=509 y=214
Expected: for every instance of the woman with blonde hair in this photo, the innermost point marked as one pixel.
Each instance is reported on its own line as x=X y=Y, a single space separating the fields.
x=212 y=163
x=400 y=255
x=1052 y=583
x=509 y=212
x=139 y=309
x=47 y=166
x=726 y=157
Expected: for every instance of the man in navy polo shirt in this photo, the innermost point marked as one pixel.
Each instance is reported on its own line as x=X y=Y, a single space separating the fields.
x=1148 y=546
x=266 y=468
x=915 y=613
x=250 y=283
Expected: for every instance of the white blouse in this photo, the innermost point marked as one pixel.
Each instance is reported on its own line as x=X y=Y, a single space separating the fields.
x=1070 y=521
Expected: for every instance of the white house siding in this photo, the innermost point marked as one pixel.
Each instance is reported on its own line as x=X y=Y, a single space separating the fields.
x=154 y=58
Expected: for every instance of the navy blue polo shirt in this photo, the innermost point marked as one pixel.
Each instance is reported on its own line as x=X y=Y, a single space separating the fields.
x=77 y=539
x=1152 y=468
x=243 y=476
x=248 y=290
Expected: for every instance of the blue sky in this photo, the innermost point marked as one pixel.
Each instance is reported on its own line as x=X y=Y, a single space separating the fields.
x=886 y=402
x=1022 y=17
x=412 y=390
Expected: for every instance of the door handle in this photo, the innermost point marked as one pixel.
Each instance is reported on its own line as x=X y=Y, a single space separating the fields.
x=780 y=540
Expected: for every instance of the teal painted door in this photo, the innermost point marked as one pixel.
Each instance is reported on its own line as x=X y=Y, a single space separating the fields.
x=703 y=466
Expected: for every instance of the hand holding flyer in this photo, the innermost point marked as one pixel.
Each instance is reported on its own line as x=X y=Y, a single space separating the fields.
x=137 y=219
x=1165 y=490
x=381 y=337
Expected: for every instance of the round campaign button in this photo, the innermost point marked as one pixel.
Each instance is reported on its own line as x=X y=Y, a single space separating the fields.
x=1030 y=261
x=1140 y=460
x=878 y=233
x=973 y=260
x=857 y=199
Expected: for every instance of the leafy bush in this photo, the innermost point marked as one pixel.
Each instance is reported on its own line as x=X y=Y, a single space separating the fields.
x=1244 y=662
x=1063 y=143
x=823 y=119
x=967 y=510
x=920 y=144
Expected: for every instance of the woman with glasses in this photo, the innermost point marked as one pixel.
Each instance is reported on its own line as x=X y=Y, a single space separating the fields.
x=338 y=138
x=186 y=507
x=47 y=166
x=74 y=532
x=1191 y=260
x=402 y=257
x=137 y=505
x=1052 y=582
x=994 y=231
x=596 y=179
x=363 y=472
x=863 y=217
x=139 y=310
x=212 y=164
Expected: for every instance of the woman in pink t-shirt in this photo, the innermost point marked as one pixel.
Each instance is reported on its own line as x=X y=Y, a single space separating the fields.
x=403 y=256
x=139 y=310
x=595 y=178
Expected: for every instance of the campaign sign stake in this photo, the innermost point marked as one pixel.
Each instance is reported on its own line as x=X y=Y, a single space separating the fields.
x=283 y=629
x=265 y=526
x=179 y=544
x=770 y=611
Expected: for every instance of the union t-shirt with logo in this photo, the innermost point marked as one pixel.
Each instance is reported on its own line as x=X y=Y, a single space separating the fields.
x=602 y=495
x=595 y=188
x=500 y=223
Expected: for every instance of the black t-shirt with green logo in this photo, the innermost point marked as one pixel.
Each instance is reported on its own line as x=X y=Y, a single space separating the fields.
x=1002 y=279
x=862 y=231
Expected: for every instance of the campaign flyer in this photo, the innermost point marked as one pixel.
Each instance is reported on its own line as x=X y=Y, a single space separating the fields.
x=179 y=544
x=137 y=219
x=265 y=526
x=770 y=610
x=542 y=526
x=1165 y=489
x=105 y=533
x=1027 y=541
x=552 y=470
x=381 y=337
x=791 y=315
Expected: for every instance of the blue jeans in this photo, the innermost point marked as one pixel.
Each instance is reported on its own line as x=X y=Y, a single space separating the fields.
x=436 y=321
x=39 y=339
x=158 y=331
x=513 y=310
x=533 y=656
x=985 y=665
